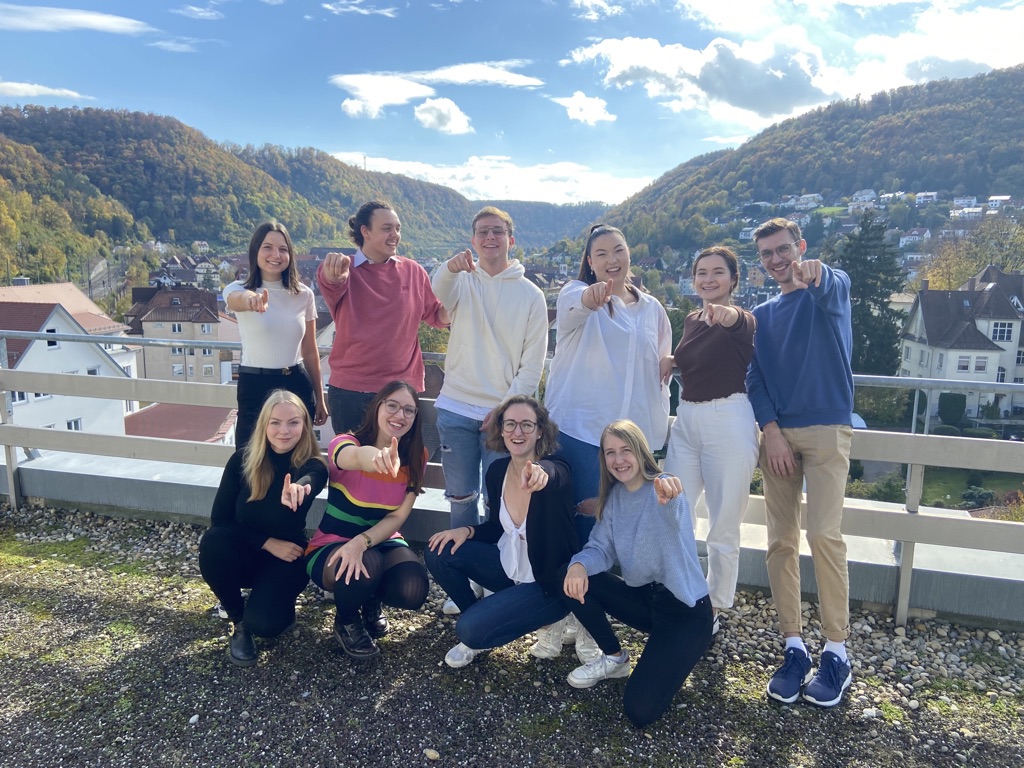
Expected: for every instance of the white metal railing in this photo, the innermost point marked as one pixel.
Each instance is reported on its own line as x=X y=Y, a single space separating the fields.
x=908 y=527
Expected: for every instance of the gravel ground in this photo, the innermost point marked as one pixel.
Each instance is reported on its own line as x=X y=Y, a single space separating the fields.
x=110 y=656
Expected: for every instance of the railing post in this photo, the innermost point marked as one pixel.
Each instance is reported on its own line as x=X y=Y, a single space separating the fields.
x=904 y=550
x=10 y=451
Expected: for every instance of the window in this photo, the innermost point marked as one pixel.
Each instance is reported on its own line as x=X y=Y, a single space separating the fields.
x=1020 y=357
x=207 y=352
x=74 y=425
x=94 y=371
x=191 y=371
x=922 y=357
x=177 y=351
x=1002 y=331
x=206 y=328
x=938 y=363
x=52 y=344
x=177 y=369
x=41 y=395
x=175 y=301
x=175 y=327
x=1001 y=375
x=129 y=406
x=963 y=363
x=127 y=369
x=906 y=354
x=19 y=397
x=207 y=371
x=1018 y=379
x=980 y=364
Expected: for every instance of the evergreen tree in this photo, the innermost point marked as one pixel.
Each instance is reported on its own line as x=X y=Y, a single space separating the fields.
x=875 y=275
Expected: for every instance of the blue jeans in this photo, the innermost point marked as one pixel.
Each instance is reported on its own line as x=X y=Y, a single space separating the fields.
x=511 y=612
x=462 y=454
x=584 y=462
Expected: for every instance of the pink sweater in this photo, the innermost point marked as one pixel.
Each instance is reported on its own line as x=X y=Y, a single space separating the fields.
x=377 y=313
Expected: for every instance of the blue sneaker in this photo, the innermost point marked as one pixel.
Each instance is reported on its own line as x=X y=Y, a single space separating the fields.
x=794 y=673
x=834 y=676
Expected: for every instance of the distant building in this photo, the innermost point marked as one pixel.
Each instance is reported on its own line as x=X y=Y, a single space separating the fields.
x=926 y=198
x=184 y=313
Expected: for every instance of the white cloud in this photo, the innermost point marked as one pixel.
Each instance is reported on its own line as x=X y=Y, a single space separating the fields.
x=595 y=10
x=195 y=12
x=177 y=45
x=359 y=7
x=589 y=110
x=22 y=18
x=443 y=115
x=32 y=90
x=372 y=92
x=498 y=178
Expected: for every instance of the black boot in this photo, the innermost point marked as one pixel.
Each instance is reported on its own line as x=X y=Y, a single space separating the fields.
x=354 y=639
x=374 y=619
x=241 y=647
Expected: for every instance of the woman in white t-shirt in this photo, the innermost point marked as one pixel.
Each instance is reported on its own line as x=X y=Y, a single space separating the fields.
x=277 y=322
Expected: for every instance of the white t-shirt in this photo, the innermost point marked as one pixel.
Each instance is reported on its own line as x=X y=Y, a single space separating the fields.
x=273 y=339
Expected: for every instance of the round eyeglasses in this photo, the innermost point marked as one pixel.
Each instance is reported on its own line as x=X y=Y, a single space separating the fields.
x=509 y=426
x=393 y=406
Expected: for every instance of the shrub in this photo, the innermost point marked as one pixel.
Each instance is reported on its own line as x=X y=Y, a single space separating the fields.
x=757 y=483
x=947 y=430
x=887 y=488
x=975 y=497
x=856 y=469
x=974 y=478
x=882 y=407
x=982 y=432
x=952 y=406
x=937 y=503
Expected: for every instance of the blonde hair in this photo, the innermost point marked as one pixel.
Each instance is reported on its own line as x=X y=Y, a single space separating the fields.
x=633 y=436
x=256 y=467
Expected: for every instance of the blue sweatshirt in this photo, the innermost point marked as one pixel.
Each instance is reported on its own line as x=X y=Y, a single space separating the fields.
x=649 y=541
x=800 y=375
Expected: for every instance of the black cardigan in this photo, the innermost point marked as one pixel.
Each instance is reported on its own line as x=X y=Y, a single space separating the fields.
x=551 y=538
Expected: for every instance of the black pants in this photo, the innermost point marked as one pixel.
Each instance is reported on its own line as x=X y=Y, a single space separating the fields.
x=253 y=389
x=677 y=638
x=397 y=578
x=347 y=408
x=228 y=564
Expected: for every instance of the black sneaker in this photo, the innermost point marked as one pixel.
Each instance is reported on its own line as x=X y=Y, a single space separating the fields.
x=241 y=647
x=355 y=640
x=374 y=619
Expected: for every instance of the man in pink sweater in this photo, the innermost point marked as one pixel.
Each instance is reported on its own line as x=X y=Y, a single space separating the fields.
x=377 y=299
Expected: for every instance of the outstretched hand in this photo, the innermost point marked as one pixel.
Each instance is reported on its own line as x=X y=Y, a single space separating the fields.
x=807 y=272
x=719 y=314
x=386 y=460
x=293 y=494
x=257 y=301
x=667 y=488
x=337 y=266
x=598 y=295
x=534 y=478
x=576 y=582
x=462 y=262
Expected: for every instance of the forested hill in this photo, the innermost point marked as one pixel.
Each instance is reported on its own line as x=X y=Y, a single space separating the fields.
x=949 y=136
x=179 y=185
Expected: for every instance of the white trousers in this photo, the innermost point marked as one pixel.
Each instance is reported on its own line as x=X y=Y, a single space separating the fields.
x=713 y=449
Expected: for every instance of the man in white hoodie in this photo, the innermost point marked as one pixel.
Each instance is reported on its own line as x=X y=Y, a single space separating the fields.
x=499 y=338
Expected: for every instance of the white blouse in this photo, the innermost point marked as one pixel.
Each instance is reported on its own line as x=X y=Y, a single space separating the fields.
x=512 y=546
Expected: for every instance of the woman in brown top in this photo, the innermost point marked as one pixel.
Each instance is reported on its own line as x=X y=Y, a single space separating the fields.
x=712 y=447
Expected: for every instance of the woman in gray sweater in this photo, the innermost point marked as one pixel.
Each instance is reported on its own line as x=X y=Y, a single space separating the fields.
x=643 y=526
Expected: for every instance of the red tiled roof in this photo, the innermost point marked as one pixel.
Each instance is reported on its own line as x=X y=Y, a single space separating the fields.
x=23 y=316
x=202 y=423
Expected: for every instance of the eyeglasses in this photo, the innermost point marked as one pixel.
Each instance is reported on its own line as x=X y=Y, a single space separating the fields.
x=393 y=406
x=485 y=231
x=509 y=426
x=784 y=251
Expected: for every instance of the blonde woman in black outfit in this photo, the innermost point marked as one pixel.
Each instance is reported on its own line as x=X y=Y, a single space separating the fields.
x=258 y=530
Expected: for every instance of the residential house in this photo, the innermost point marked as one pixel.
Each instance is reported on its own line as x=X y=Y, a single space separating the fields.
x=809 y=202
x=182 y=313
x=998 y=201
x=925 y=198
x=915 y=236
x=864 y=196
x=971 y=334
x=965 y=201
x=41 y=409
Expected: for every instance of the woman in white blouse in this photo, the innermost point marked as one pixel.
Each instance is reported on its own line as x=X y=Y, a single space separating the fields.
x=613 y=360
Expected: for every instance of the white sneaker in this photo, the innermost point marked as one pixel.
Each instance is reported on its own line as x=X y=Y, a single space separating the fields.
x=715 y=626
x=572 y=626
x=450 y=608
x=602 y=668
x=460 y=656
x=587 y=648
x=549 y=641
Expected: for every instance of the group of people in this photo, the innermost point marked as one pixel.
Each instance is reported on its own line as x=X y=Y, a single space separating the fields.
x=571 y=486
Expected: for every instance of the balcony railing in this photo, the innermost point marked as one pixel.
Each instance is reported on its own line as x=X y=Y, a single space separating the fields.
x=908 y=526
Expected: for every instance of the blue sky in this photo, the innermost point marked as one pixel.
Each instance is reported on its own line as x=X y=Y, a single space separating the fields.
x=564 y=101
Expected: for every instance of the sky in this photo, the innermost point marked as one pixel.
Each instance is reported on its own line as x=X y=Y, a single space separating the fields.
x=555 y=100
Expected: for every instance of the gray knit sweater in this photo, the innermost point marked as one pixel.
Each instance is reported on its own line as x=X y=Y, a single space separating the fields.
x=649 y=541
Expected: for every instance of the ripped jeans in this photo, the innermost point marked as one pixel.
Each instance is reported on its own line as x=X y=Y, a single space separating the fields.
x=465 y=460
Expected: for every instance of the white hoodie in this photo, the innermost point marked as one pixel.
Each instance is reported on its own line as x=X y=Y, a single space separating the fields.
x=499 y=336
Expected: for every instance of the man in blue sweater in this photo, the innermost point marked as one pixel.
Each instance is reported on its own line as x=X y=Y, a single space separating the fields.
x=801 y=387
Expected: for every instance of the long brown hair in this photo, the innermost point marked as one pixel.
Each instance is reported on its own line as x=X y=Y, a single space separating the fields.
x=290 y=277
x=256 y=467
x=633 y=436
x=410 y=446
x=587 y=274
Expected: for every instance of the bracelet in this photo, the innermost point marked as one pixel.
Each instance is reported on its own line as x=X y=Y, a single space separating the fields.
x=367 y=539
x=472 y=532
